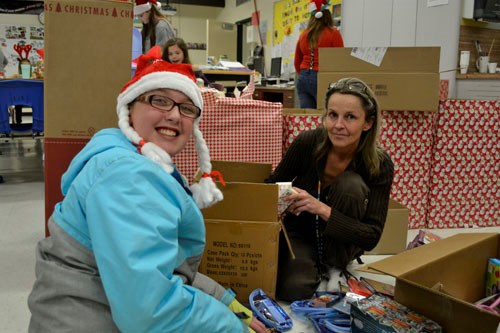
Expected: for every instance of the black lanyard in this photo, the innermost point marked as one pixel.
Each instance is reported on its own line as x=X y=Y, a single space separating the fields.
x=320 y=242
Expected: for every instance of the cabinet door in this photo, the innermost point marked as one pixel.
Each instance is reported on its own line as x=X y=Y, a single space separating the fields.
x=288 y=99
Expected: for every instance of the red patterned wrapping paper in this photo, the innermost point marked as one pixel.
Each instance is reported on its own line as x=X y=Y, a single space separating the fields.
x=294 y=124
x=237 y=130
x=465 y=182
x=407 y=136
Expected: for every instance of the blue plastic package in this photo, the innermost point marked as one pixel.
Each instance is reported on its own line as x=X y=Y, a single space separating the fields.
x=269 y=312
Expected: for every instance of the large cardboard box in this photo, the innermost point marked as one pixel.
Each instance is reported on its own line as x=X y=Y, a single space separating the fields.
x=395 y=234
x=407 y=78
x=88 y=49
x=243 y=231
x=442 y=279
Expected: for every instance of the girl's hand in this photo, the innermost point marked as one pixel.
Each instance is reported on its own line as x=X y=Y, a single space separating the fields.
x=257 y=326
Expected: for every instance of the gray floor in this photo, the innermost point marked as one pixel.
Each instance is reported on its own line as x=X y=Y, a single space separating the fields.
x=22 y=225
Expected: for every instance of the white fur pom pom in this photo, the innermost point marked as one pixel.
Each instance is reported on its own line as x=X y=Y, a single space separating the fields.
x=206 y=193
x=318 y=15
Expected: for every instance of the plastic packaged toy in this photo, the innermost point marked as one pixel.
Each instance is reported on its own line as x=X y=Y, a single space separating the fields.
x=328 y=311
x=269 y=312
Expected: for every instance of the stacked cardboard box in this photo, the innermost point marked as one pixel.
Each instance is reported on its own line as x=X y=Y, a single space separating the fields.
x=407 y=78
x=83 y=76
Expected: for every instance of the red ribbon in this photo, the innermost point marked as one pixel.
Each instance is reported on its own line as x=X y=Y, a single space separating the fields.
x=140 y=145
x=215 y=174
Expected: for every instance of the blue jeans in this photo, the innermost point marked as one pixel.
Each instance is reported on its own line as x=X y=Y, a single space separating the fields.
x=307 y=86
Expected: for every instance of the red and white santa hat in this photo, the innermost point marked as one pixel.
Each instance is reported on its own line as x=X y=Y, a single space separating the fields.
x=153 y=73
x=316 y=7
x=142 y=6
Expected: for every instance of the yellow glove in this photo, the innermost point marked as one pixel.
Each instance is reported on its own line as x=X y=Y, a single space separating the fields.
x=241 y=311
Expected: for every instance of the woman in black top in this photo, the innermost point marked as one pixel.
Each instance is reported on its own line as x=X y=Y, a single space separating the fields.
x=343 y=179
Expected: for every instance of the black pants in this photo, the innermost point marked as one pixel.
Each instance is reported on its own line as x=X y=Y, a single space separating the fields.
x=299 y=278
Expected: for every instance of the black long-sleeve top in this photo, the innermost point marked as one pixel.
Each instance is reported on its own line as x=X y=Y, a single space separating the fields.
x=299 y=165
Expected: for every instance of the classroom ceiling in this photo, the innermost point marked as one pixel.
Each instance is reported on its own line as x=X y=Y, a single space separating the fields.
x=211 y=3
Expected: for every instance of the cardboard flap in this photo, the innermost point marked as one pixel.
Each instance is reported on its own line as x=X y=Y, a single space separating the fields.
x=233 y=171
x=247 y=202
x=307 y=112
x=396 y=59
x=405 y=262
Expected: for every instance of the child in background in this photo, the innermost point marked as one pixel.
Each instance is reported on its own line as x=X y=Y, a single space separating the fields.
x=175 y=51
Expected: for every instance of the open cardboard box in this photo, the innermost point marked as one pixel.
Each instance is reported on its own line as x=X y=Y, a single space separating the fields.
x=243 y=230
x=443 y=279
x=407 y=78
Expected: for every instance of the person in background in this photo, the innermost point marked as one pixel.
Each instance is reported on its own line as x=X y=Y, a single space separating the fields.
x=175 y=51
x=156 y=29
x=342 y=179
x=320 y=32
x=126 y=241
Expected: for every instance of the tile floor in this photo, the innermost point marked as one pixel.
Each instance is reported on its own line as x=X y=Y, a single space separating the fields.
x=22 y=225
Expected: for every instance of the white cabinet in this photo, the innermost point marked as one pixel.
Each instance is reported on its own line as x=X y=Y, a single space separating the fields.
x=468 y=9
x=478 y=89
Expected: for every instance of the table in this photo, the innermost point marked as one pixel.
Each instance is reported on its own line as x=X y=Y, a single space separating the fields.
x=21 y=92
x=284 y=95
x=226 y=75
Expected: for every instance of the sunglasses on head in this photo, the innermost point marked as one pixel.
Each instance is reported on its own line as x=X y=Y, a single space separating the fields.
x=354 y=86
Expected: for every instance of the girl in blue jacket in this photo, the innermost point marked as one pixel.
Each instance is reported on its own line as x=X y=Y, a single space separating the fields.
x=128 y=237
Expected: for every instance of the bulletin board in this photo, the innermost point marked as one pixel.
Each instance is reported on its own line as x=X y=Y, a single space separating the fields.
x=20 y=34
x=290 y=19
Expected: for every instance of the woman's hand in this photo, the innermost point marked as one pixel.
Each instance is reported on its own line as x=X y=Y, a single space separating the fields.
x=257 y=326
x=302 y=201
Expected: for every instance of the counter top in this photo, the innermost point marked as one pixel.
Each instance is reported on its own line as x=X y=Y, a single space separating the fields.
x=478 y=76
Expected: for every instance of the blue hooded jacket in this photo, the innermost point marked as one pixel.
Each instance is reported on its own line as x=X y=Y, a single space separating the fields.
x=147 y=237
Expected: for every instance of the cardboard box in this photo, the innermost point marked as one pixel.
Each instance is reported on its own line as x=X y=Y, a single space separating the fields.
x=395 y=234
x=407 y=78
x=243 y=231
x=443 y=279
x=83 y=77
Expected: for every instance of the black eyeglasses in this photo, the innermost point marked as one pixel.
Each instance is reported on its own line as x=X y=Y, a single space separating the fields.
x=166 y=104
x=352 y=85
